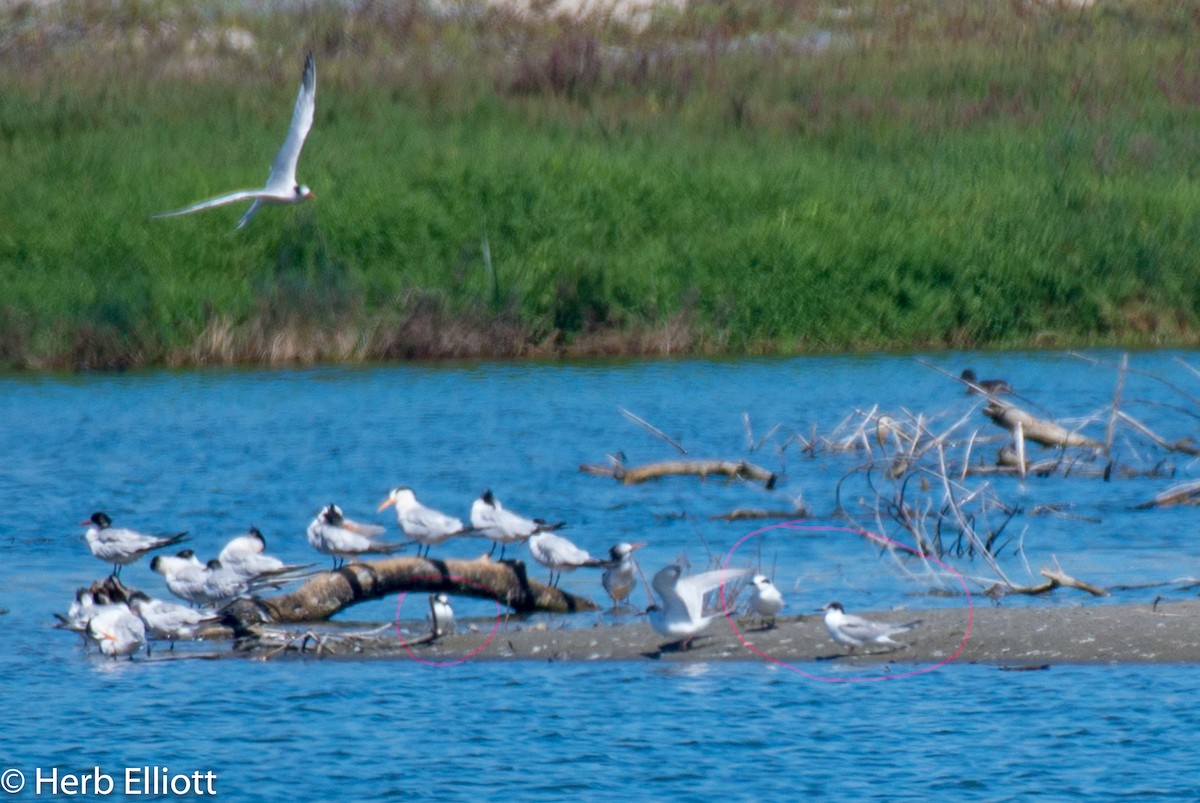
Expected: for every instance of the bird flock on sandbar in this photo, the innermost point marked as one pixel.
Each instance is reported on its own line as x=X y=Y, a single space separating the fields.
x=243 y=568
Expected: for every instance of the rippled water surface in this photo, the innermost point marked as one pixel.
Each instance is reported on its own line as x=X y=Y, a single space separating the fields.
x=214 y=452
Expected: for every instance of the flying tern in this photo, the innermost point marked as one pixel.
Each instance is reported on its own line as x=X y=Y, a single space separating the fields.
x=120 y=546
x=558 y=554
x=422 y=524
x=681 y=615
x=504 y=527
x=331 y=533
x=281 y=186
x=765 y=598
x=620 y=573
x=854 y=631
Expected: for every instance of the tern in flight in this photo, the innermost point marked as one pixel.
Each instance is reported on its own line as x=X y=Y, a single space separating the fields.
x=281 y=186
x=853 y=631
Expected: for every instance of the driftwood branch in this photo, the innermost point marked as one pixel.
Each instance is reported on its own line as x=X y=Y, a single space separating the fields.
x=1187 y=493
x=1047 y=433
x=632 y=475
x=330 y=592
x=744 y=513
x=1057 y=578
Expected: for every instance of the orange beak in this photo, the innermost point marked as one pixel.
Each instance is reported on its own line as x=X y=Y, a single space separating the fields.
x=385 y=504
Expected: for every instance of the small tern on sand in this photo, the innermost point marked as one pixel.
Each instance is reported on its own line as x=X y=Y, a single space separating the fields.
x=681 y=615
x=422 y=524
x=441 y=615
x=331 y=533
x=558 y=554
x=766 y=600
x=620 y=573
x=854 y=631
x=117 y=631
x=281 y=186
x=504 y=527
x=119 y=546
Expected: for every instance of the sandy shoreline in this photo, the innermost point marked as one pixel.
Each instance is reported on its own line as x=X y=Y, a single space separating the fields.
x=1004 y=636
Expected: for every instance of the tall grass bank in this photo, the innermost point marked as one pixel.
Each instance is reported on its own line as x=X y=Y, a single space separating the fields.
x=758 y=176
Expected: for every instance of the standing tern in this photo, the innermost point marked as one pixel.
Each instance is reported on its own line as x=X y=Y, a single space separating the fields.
x=246 y=555
x=117 y=631
x=504 y=527
x=281 y=186
x=184 y=576
x=681 y=615
x=169 y=621
x=558 y=554
x=441 y=615
x=119 y=546
x=766 y=600
x=331 y=533
x=422 y=524
x=854 y=631
x=620 y=573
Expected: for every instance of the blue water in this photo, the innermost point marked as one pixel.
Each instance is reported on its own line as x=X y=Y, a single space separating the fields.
x=213 y=452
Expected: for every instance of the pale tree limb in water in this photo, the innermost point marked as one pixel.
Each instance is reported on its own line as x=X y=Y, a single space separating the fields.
x=632 y=475
x=1047 y=433
x=653 y=430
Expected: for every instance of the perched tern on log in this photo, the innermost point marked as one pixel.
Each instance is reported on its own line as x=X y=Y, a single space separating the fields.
x=424 y=525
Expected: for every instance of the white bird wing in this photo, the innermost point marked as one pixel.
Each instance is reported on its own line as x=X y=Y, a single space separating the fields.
x=865 y=629
x=691 y=589
x=283 y=171
x=220 y=200
x=368 y=531
x=427 y=520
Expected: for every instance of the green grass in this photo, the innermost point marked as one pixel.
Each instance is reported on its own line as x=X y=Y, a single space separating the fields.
x=1003 y=175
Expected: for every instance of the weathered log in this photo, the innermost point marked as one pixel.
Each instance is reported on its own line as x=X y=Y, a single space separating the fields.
x=737 y=469
x=1047 y=433
x=1187 y=493
x=330 y=592
x=1055 y=578
x=744 y=513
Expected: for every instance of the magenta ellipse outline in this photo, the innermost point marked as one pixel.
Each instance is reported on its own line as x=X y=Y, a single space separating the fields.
x=445 y=664
x=798 y=524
